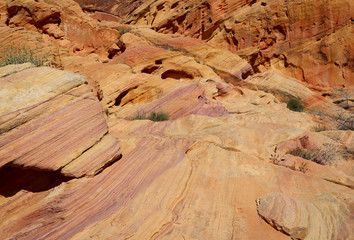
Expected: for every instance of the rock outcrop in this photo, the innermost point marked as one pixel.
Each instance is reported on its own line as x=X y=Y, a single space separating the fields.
x=76 y=164
x=51 y=121
x=295 y=36
x=120 y=8
x=63 y=20
x=324 y=217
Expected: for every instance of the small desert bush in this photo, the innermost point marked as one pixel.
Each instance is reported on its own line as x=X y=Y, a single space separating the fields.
x=154 y=116
x=295 y=105
x=123 y=30
x=303 y=167
x=319 y=128
x=158 y=116
x=275 y=158
x=324 y=155
x=22 y=54
x=303 y=153
x=138 y=117
x=344 y=121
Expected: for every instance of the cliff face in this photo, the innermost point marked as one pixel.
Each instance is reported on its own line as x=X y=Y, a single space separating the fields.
x=298 y=37
x=232 y=162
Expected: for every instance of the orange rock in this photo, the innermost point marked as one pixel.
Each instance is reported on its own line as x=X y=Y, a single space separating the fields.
x=61 y=19
x=293 y=34
x=50 y=120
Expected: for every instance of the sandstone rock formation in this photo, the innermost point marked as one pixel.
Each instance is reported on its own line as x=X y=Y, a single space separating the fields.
x=51 y=121
x=120 y=8
x=61 y=20
x=75 y=165
x=300 y=37
x=324 y=217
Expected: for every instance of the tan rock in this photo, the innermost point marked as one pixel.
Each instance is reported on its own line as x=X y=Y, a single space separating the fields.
x=324 y=217
x=3 y=12
x=285 y=88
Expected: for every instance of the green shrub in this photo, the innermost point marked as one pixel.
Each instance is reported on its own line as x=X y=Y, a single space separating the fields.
x=319 y=128
x=158 y=117
x=123 y=30
x=295 y=105
x=326 y=154
x=138 y=117
x=303 y=167
x=306 y=154
x=18 y=55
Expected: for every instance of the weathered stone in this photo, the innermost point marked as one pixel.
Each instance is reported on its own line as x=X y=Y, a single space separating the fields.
x=324 y=217
x=50 y=118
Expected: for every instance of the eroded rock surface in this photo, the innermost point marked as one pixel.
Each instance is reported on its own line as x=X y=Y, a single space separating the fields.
x=324 y=217
x=49 y=118
x=198 y=175
x=300 y=37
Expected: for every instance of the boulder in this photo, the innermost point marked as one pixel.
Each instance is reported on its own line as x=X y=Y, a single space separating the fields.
x=324 y=217
x=49 y=120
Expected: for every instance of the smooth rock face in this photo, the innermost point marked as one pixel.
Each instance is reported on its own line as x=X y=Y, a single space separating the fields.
x=321 y=218
x=48 y=119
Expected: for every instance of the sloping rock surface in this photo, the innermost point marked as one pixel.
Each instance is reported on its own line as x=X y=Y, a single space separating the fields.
x=48 y=119
x=198 y=175
x=321 y=218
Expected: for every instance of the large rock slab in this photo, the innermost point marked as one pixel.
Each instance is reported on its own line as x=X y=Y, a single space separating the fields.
x=48 y=119
x=324 y=217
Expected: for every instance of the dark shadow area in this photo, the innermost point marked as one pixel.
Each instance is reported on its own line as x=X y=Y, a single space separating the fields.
x=118 y=100
x=246 y=74
x=150 y=70
x=14 y=178
x=110 y=163
x=176 y=74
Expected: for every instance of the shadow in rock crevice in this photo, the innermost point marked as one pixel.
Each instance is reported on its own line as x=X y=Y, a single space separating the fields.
x=15 y=178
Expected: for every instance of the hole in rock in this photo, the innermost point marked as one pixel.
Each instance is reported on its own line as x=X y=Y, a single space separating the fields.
x=160 y=7
x=180 y=19
x=174 y=5
x=253 y=2
x=176 y=74
x=246 y=74
x=149 y=70
x=264 y=4
x=121 y=96
x=280 y=29
x=112 y=53
x=14 y=178
x=158 y=62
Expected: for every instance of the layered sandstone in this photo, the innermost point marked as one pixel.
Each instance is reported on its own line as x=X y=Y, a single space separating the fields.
x=62 y=20
x=52 y=121
x=207 y=173
x=300 y=218
x=300 y=37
